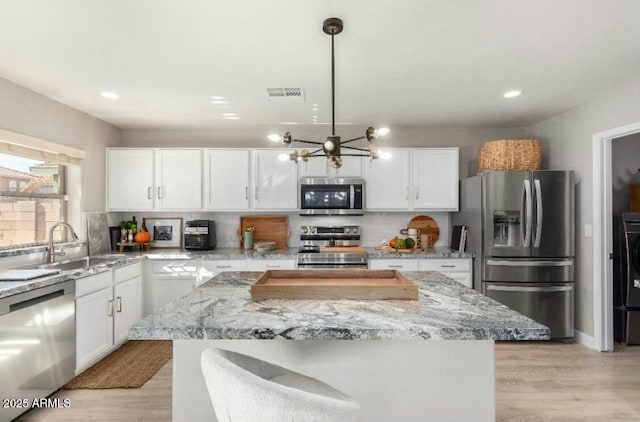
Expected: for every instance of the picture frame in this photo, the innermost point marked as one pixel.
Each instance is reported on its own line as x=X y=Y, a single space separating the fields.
x=164 y=232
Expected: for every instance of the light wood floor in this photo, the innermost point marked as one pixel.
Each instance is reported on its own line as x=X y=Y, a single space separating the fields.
x=535 y=382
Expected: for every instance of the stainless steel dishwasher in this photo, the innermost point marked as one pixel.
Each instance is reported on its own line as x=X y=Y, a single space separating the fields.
x=37 y=345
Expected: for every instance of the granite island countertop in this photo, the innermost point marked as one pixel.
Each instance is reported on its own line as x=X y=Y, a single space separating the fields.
x=222 y=309
x=129 y=257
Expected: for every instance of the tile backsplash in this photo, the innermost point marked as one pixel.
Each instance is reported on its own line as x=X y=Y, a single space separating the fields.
x=376 y=226
x=97 y=232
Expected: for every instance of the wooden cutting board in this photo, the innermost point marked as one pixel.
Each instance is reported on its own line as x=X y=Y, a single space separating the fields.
x=333 y=285
x=426 y=225
x=268 y=228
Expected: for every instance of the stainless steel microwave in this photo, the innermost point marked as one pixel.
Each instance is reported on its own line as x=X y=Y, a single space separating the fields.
x=331 y=196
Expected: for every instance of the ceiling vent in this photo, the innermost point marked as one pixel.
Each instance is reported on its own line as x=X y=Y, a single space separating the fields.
x=285 y=94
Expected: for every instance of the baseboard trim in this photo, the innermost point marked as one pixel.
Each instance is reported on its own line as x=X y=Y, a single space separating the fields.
x=585 y=339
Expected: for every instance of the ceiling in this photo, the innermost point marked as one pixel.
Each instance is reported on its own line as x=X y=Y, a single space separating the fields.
x=410 y=62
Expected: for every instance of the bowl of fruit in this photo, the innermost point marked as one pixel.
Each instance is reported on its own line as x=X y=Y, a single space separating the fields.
x=402 y=244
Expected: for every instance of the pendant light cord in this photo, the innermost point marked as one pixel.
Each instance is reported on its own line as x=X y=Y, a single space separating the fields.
x=333 y=91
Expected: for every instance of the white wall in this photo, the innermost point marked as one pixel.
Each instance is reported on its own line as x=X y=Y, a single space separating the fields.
x=30 y=113
x=567 y=144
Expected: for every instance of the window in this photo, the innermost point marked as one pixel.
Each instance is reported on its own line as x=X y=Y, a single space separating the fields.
x=31 y=200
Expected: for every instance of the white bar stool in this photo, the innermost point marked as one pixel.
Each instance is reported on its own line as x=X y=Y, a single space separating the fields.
x=246 y=389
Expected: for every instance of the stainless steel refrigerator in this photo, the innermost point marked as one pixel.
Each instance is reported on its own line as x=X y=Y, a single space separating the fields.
x=521 y=228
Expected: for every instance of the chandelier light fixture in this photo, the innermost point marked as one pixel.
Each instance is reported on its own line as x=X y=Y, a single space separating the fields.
x=332 y=148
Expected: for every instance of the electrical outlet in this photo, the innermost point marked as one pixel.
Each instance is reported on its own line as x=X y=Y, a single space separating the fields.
x=588 y=230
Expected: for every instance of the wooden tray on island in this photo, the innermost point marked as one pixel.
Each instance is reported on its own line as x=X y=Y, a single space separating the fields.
x=333 y=284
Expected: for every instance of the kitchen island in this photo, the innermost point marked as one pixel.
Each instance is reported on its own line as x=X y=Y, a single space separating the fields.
x=401 y=360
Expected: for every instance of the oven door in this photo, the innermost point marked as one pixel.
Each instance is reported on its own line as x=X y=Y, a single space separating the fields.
x=332 y=266
x=332 y=261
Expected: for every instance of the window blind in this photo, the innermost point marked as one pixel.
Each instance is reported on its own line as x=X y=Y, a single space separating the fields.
x=39 y=149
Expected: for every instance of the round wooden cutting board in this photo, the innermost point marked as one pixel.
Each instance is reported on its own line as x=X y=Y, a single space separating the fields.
x=427 y=225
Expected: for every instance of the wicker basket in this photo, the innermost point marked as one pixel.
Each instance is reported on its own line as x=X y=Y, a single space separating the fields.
x=509 y=154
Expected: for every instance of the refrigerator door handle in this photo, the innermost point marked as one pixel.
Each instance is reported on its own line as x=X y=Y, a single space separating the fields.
x=538 y=192
x=530 y=289
x=529 y=263
x=528 y=210
x=523 y=204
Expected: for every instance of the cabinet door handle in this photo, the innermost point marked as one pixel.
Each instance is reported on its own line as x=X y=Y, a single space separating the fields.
x=160 y=192
x=417 y=192
x=396 y=266
x=118 y=304
x=149 y=192
x=255 y=194
x=407 y=192
x=273 y=266
x=447 y=266
x=223 y=266
x=110 y=310
x=246 y=193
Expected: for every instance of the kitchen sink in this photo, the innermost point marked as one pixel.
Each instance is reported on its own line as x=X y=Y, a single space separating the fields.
x=81 y=263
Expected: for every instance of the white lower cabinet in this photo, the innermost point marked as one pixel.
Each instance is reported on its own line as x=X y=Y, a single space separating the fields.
x=127 y=304
x=167 y=288
x=167 y=281
x=107 y=305
x=211 y=268
x=94 y=326
x=400 y=264
x=459 y=269
x=271 y=264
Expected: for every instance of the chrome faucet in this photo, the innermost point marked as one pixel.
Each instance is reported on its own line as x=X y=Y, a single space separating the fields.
x=51 y=252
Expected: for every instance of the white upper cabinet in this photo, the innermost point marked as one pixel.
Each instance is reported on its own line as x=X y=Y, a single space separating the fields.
x=130 y=184
x=147 y=179
x=387 y=181
x=178 y=179
x=226 y=181
x=320 y=167
x=435 y=179
x=275 y=182
x=351 y=167
x=315 y=167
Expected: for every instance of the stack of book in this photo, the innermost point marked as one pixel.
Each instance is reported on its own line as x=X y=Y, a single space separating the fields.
x=458 y=238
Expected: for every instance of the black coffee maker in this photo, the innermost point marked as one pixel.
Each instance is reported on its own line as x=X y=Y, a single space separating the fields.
x=200 y=235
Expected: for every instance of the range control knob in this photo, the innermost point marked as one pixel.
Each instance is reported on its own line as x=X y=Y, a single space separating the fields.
x=347 y=230
x=304 y=230
x=354 y=230
x=313 y=230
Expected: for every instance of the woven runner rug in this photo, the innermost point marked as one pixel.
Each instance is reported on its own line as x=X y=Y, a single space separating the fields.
x=130 y=366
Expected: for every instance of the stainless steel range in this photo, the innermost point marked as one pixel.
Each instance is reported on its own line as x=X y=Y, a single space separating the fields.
x=331 y=247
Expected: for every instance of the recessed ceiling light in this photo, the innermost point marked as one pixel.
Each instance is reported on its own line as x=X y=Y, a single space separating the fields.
x=288 y=123
x=229 y=114
x=314 y=117
x=232 y=117
x=218 y=102
x=110 y=95
x=274 y=137
x=217 y=97
x=512 y=94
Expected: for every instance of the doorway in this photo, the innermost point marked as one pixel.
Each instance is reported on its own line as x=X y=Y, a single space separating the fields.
x=603 y=232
